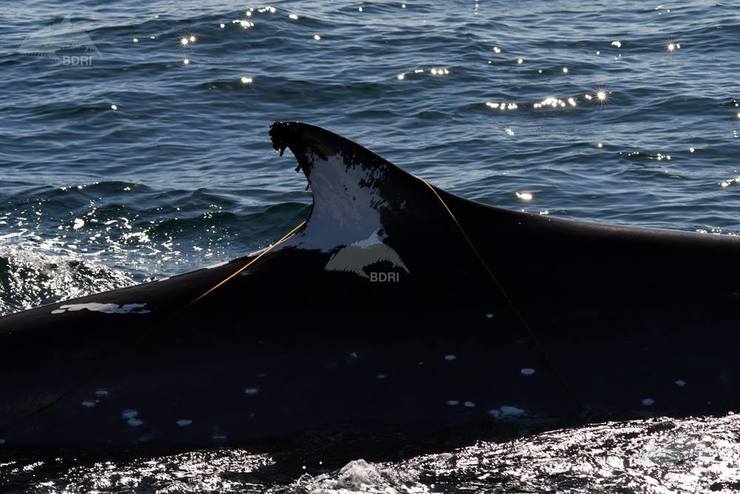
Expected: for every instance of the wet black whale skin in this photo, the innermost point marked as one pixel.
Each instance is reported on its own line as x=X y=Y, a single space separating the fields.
x=609 y=318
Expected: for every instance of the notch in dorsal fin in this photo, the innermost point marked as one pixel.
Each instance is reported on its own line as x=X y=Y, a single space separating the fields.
x=357 y=195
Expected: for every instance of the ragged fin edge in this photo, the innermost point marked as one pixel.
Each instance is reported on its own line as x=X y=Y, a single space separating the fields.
x=356 y=193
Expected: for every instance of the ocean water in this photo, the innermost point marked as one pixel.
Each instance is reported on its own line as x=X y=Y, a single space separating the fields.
x=133 y=146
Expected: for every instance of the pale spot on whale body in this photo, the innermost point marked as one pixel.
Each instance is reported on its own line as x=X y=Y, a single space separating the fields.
x=108 y=308
x=131 y=417
x=88 y=404
x=648 y=402
x=184 y=422
x=506 y=411
x=2 y=441
x=251 y=391
x=680 y=383
x=450 y=358
x=527 y=371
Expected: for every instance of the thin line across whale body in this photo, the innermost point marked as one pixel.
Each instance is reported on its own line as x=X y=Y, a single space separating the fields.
x=358 y=256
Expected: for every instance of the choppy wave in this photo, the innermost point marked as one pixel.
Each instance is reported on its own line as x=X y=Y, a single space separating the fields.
x=653 y=456
x=60 y=243
x=29 y=278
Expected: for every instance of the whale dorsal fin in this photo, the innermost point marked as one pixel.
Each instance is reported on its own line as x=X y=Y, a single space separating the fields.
x=357 y=195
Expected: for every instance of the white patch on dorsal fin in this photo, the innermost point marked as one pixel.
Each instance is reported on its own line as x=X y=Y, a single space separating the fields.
x=346 y=204
x=357 y=195
x=373 y=239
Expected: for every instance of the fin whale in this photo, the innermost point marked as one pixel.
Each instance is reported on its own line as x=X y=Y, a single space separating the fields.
x=394 y=306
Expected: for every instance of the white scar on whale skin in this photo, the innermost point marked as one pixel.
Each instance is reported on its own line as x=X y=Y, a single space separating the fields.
x=104 y=308
x=507 y=411
x=354 y=258
x=346 y=206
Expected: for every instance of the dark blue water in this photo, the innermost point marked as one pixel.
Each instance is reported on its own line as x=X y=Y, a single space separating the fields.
x=120 y=162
